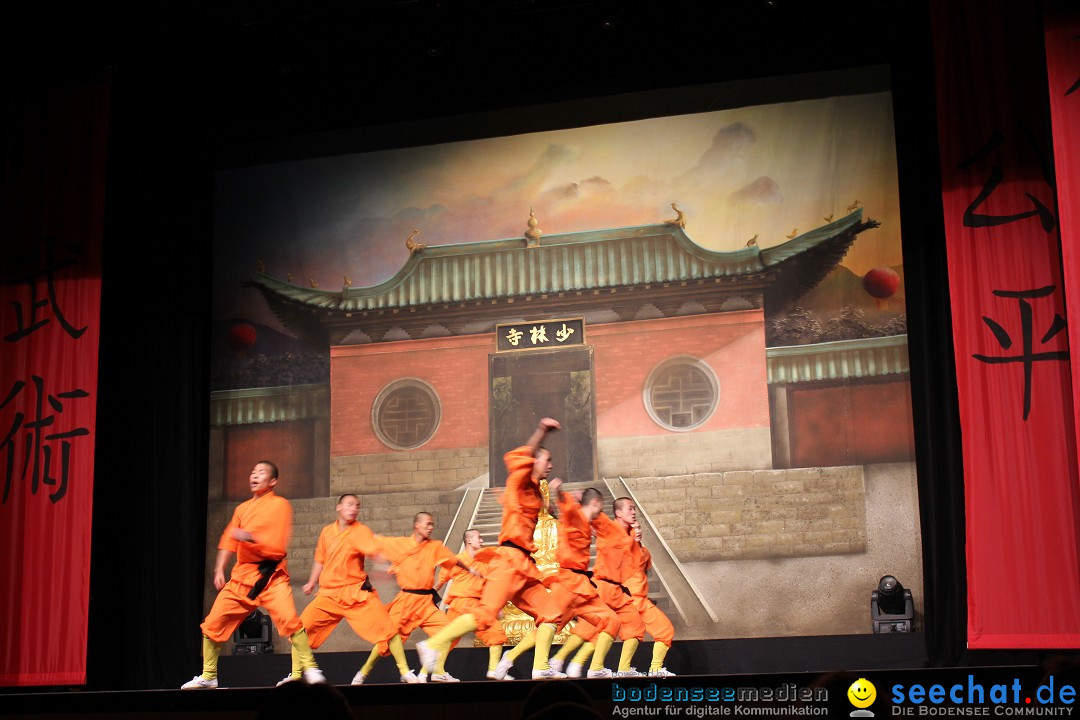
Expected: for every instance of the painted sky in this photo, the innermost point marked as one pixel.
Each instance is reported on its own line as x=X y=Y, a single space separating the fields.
x=762 y=170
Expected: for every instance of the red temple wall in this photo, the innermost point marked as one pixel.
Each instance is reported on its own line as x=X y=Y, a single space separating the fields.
x=732 y=344
x=852 y=424
x=456 y=367
x=289 y=445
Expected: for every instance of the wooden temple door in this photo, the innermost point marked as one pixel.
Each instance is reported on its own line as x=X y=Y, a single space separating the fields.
x=526 y=386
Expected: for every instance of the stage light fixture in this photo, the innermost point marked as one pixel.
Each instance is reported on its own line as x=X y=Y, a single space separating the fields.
x=891 y=607
x=252 y=636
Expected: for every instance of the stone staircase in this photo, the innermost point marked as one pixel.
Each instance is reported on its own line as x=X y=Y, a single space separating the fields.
x=488 y=520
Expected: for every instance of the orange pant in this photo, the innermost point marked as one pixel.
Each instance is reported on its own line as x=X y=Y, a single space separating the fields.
x=232 y=606
x=578 y=598
x=409 y=611
x=513 y=576
x=656 y=622
x=494 y=635
x=613 y=596
x=366 y=615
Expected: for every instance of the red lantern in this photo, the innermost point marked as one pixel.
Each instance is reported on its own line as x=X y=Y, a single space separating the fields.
x=881 y=282
x=241 y=337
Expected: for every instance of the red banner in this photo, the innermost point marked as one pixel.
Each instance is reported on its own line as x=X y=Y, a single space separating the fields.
x=1061 y=24
x=50 y=299
x=1008 y=313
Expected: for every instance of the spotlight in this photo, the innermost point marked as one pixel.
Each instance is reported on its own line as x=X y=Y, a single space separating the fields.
x=891 y=607
x=252 y=637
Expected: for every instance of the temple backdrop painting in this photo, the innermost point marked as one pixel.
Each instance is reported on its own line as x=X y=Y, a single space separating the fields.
x=712 y=303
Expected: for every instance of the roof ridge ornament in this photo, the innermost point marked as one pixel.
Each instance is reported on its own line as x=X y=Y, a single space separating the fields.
x=680 y=217
x=532 y=235
x=414 y=247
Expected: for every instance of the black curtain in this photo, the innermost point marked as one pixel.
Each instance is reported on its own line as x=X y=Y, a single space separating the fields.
x=149 y=524
x=933 y=382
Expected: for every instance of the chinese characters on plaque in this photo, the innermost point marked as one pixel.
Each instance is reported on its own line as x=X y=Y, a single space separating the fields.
x=540 y=334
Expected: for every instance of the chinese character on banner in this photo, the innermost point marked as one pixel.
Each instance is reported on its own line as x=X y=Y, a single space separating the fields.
x=1027 y=356
x=566 y=332
x=997 y=175
x=538 y=334
x=514 y=336
x=38 y=445
x=26 y=320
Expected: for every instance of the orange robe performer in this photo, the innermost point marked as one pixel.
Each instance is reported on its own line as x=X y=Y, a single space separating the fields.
x=466 y=590
x=258 y=535
x=573 y=586
x=617 y=559
x=656 y=622
x=513 y=574
x=344 y=590
x=413 y=560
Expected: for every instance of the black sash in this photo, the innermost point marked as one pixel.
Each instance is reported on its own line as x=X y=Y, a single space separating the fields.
x=621 y=587
x=586 y=573
x=367 y=585
x=266 y=569
x=507 y=543
x=435 y=598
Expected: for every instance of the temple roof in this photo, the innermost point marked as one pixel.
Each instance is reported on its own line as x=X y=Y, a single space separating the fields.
x=594 y=260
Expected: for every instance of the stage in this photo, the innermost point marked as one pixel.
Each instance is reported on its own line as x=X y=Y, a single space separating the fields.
x=807 y=676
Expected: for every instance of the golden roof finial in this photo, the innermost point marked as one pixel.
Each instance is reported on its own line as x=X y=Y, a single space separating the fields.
x=532 y=235
x=260 y=266
x=347 y=282
x=288 y=278
x=414 y=247
x=680 y=217
x=314 y=283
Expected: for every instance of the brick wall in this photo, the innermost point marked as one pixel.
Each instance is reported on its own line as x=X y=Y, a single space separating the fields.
x=407 y=471
x=681 y=453
x=746 y=514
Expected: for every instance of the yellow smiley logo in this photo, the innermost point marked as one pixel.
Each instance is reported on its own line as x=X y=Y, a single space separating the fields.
x=862 y=693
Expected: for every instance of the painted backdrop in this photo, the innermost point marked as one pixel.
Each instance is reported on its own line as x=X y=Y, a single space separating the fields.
x=735 y=284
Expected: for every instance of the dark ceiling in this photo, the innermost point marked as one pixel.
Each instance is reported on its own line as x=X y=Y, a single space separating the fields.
x=254 y=69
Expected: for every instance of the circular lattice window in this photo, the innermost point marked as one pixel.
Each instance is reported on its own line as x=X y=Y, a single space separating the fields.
x=406 y=414
x=681 y=393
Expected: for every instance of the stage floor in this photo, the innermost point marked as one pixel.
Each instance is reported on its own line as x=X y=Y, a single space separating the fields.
x=779 y=676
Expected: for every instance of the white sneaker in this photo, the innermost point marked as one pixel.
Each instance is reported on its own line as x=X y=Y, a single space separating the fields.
x=548 y=674
x=574 y=669
x=601 y=673
x=199 y=683
x=556 y=664
x=314 y=676
x=661 y=673
x=491 y=676
x=287 y=679
x=358 y=678
x=427 y=656
x=410 y=678
x=443 y=677
x=503 y=667
x=631 y=672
